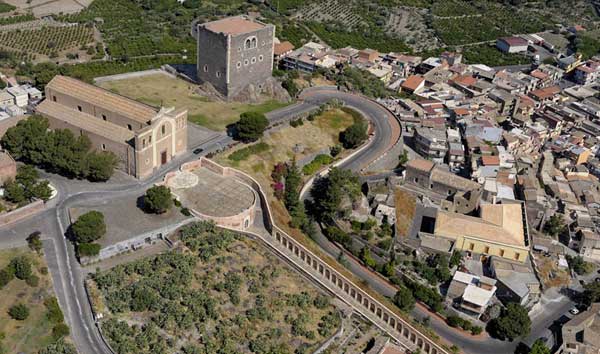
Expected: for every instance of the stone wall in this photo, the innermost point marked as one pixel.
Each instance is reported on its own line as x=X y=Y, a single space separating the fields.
x=22 y=213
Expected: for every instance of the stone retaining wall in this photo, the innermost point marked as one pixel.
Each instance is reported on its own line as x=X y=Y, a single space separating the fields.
x=22 y=213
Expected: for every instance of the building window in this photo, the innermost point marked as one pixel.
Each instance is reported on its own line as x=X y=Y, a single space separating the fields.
x=150 y=139
x=79 y=108
x=104 y=117
x=239 y=64
x=501 y=253
x=218 y=73
x=517 y=256
x=250 y=43
x=263 y=43
x=416 y=180
x=246 y=62
x=260 y=58
x=103 y=146
x=239 y=49
x=449 y=192
x=147 y=161
x=163 y=129
x=471 y=246
x=431 y=186
x=54 y=98
x=143 y=143
x=129 y=127
x=253 y=60
x=486 y=250
x=205 y=68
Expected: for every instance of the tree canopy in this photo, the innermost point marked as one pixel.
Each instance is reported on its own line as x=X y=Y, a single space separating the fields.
x=158 y=199
x=251 y=126
x=329 y=192
x=89 y=227
x=513 y=322
x=57 y=150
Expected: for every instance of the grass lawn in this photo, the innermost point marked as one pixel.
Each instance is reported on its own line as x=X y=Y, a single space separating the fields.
x=33 y=333
x=159 y=89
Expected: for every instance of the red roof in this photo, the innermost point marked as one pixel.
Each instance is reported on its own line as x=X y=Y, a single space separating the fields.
x=465 y=80
x=538 y=74
x=490 y=160
x=514 y=41
x=282 y=48
x=545 y=93
x=413 y=82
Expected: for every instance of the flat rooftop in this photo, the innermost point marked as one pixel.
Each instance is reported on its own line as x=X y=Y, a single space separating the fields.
x=233 y=25
x=211 y=194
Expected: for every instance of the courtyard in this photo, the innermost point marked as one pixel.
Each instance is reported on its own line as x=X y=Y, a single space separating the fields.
x=211 y=194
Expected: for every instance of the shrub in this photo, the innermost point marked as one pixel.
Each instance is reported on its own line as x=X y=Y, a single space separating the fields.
x=59 y=331
x=88 y=249
x=89 y=227
x=245 y=153
x=19 y=312
x=54 y=314
x=404 y=299
x=186 y=212
x=21 y=267
x=319 y=161
x=6 y=275
x=355 y=134
x=158 y=199
x=475 y=330
x=454 y=321
x=33 y=281
x=34 y=241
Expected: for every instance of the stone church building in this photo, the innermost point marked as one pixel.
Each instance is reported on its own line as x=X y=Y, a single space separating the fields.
x=234 y=53
x=143 y=137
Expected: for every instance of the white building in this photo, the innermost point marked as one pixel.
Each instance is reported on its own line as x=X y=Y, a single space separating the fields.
x=21 y=98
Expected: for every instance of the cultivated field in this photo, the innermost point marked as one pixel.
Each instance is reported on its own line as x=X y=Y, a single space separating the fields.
x=48 y=7
x=35 y=332
x=47 y=40
x=160 y=89
x=222 y=292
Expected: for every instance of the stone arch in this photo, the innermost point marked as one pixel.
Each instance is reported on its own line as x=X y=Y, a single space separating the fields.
x=161 y=122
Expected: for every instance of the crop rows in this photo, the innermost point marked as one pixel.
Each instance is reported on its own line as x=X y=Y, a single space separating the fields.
x=47 y=40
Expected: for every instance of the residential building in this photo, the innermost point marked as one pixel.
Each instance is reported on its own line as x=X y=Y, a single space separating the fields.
x=281 y=50
x=471 y=293
x=143 y=137
x=20 y=96
x=413 y=84
x=587 y=73
x=426 y=175
x=569 y=63
x=431 y=143
x=516 y=282
x=235 y=53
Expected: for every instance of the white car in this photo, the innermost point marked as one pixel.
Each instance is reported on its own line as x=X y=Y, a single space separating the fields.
x=574 y=311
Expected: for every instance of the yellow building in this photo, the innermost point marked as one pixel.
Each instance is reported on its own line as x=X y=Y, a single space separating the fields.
x=498 y=232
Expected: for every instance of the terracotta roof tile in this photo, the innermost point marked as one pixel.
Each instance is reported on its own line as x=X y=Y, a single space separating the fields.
x=233 y=25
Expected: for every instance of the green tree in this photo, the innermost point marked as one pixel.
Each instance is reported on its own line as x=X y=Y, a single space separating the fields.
x=89 y=227
x=513 y=322
x=101 y=165
x=579 y=266
x=539 y=347
x=329 y=192
x=14 y=192
x=354 y=135
x=19 y=312
x=555 y=225
x=251 y=126
x=404 y=299
x=158 y=199
x=403 y=159
x=591 y=293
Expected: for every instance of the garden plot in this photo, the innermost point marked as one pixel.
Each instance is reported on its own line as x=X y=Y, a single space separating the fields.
x=325 y=11
x=409 y=24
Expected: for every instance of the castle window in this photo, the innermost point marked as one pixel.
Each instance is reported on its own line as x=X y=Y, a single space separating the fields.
x=54 y=98
x=263 y=43
x=250 y=43
x=79 y=108
x=517 y=256
x=239 y=64
x=487 y=249
x=205 y=68
x=150 y=139
x=129 y=127
x=254 y=42
x=253 y=60
x=246 y=62
x=163 y=130
x=260 y=58
x=471 y=247
x=501 y=253
x=104 y=117
x=143 y=143
x=218 y=73
x=103 y=146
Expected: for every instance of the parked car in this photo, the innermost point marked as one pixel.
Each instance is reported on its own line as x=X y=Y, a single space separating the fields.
x=198 y=151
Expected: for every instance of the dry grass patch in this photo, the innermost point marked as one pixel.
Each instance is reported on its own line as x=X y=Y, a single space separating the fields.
x=405 y=211
x=551 y=275
x=161 y=89
x=33 y=333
